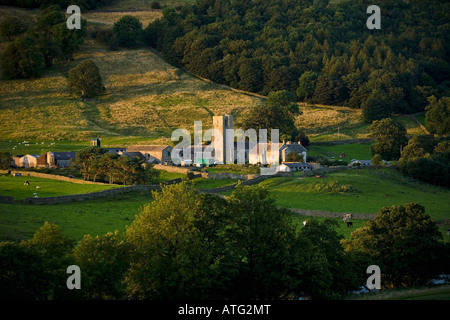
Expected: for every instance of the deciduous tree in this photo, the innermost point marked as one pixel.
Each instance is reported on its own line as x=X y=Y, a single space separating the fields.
x=438 y=115
x=85 y=79
x=403 y=241
x=128 y=32
x=389 y=136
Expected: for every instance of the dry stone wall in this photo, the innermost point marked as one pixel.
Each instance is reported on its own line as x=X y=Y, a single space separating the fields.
x=91 y=195
x=326 y=214
x=49 y=176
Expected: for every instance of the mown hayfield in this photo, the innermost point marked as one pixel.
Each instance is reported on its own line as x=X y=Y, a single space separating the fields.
x=143 y=4
x=102 y=16
x=331 y=123
x=325 y=123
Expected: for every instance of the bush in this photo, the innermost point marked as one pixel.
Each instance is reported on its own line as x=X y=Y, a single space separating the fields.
x=376 y=160
x=11 y=27
x=155 y=5
x=328 y=162
x=332 y=187
x=128 y=32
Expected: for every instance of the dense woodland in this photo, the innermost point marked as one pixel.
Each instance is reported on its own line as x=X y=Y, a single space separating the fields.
x=32 y=47
x=323 y=52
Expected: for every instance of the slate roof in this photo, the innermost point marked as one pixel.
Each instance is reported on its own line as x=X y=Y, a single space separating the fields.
x=148 y=148
x=64 y=155
x=133 y=155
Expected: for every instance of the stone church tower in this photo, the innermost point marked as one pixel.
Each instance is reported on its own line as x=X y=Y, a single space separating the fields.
x=221 y=123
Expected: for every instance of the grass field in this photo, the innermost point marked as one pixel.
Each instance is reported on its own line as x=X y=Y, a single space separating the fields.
x=341 y=229
x=234 y=168
x=372 y=190
x=203 y=183
x=14 y=186
x=99 y=216
x=94 y=217
x=352 y=151
x=421 y=117
x=441 y=292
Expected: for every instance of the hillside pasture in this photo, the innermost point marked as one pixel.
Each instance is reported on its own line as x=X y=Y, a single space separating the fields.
x=145 y=97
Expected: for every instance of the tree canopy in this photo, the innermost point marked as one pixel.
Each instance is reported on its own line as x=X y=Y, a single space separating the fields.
x=403 y=241
x=389 y=136
x=45 y=42
x=127 y=32
x=85 y=79
x=438 y=115
x=322 y=51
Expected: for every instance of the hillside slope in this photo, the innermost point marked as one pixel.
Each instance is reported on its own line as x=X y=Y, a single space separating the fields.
x=146 y=99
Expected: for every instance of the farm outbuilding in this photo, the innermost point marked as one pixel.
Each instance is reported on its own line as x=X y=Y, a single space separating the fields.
x=25 y=161
x=56 y=159
x=293 y=166
x=158 y=153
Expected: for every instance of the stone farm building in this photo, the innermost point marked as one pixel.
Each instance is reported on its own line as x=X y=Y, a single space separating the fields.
x=161 y=154
x=46 y=160
x=56 y=159
x=25 y=161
